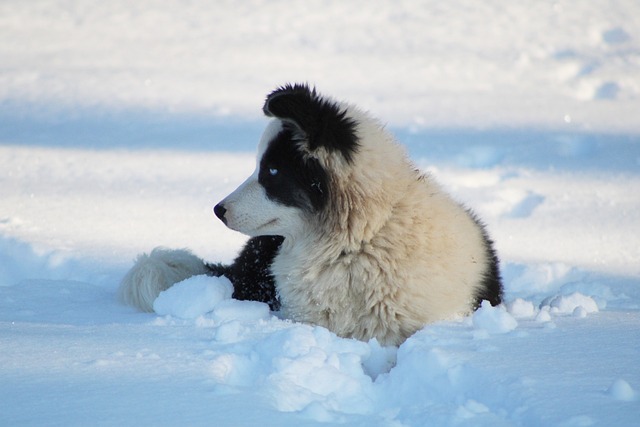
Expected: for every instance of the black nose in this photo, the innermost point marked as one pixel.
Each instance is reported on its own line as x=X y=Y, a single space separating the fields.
x=220 y=210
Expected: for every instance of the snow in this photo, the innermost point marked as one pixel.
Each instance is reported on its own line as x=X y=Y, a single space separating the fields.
x=621 y=390
x=575 y=303
x=494 y=320
x=122 y=124
x=193 y=297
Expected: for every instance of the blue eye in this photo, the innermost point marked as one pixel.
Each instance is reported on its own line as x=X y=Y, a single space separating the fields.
x=273 y=171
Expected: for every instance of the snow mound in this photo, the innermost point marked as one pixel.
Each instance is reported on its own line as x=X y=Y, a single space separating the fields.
x=193 y=297
x=299 y=368
x=494 y=320
x=312 y=362
x=621 y=390
x=575 y=304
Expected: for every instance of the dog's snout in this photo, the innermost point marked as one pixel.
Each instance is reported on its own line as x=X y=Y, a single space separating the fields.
x=220 y=210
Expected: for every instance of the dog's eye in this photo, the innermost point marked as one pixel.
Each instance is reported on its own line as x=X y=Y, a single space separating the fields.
x=273 y=171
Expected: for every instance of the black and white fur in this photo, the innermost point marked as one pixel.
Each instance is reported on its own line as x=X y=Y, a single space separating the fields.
x=344 y=231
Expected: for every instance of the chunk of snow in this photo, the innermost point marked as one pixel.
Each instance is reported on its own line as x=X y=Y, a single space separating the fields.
x=380 y=360
x=622 y=390
x=494 y=320
x=193 y=297
x=543 y=315
x=568 y=304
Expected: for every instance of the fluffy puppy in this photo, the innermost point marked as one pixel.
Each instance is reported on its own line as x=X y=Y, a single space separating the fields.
x=345 y=231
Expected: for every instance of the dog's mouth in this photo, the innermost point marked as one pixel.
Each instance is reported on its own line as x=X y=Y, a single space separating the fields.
x=268 y=223
x=257 y=231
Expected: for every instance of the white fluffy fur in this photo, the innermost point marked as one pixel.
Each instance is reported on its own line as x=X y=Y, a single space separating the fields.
x=391 y=253
x=153 y=273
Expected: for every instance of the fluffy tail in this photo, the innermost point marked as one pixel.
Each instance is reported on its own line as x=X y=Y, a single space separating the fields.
x=153 y=273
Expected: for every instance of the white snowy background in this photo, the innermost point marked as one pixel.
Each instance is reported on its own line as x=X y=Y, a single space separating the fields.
x=123 y=123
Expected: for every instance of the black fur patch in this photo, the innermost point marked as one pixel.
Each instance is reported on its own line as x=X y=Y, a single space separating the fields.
x=250 y=272
x=491 y=285
x=322 y=123
x=289 y=178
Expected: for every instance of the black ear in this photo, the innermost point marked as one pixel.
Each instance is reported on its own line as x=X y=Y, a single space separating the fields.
x=322 y=122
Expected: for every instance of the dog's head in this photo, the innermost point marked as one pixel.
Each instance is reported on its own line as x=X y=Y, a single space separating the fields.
x=299 y=152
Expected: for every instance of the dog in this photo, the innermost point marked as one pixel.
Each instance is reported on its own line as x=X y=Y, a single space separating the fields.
x=344 y=231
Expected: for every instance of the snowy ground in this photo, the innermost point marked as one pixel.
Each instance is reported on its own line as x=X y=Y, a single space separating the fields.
x=122 y=124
